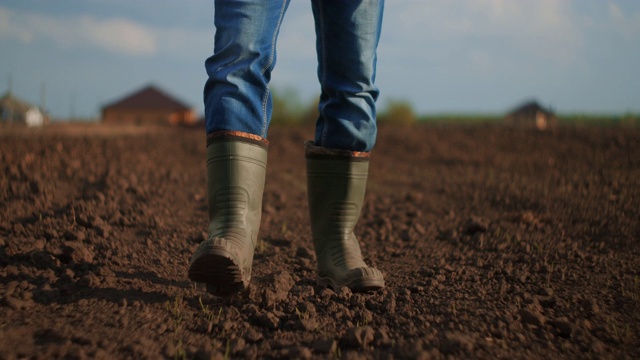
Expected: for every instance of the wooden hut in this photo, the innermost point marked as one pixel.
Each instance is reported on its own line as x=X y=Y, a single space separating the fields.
x=531 y=114
x=15 y=111
x=149 y=105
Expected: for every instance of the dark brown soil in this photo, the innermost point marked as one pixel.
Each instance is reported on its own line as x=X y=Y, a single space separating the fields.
x=495 y=242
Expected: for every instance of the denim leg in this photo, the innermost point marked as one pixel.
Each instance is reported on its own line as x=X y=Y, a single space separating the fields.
x=236 y=94
x=347 y=38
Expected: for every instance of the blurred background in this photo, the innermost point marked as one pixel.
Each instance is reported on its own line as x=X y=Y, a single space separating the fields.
x=437 y=58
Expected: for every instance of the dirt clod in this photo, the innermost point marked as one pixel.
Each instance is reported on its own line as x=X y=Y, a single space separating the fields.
x=275 y=287
x=359 y=337
x=532 y=317
x=268 y=320
x=456 y=343
x=325 y=346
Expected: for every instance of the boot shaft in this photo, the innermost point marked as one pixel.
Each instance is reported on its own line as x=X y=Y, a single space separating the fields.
x=236 y=172
x=336 y=186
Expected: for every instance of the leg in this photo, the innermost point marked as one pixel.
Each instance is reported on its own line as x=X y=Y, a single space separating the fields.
x=336 y=182
x=347 y=35
x=236 y=94
x=337 y=164
x=237 y=112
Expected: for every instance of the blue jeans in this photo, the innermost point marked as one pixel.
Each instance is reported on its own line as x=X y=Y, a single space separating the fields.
x=236 y=94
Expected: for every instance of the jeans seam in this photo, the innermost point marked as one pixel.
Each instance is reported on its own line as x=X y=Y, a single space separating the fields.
x=265 y=99
x=323 y=45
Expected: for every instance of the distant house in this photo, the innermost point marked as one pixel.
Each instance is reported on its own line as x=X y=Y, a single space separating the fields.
x=531 y=114
x=149 y=105
x=16 y=111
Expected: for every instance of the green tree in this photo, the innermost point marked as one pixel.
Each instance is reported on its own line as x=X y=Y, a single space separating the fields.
x=287 y=107
x=397 y=112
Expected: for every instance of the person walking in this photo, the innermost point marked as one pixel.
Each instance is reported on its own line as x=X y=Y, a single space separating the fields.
x=238 y=108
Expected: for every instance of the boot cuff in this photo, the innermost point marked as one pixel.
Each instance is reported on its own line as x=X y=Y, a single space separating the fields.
x=317 y=152
x=237 y=136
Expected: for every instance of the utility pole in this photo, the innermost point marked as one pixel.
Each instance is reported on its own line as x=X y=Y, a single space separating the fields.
x=43 y=97
x=72 y=106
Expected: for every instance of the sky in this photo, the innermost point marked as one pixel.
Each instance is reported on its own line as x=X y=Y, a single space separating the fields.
x=441 y=56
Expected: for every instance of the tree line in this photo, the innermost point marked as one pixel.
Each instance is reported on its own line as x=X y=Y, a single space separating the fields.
x=289 y=109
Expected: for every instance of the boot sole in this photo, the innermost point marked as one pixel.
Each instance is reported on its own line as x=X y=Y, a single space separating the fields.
x=363 y=284
x=216 y=268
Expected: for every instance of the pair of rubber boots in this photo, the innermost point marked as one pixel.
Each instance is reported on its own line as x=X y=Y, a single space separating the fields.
x=236 y=169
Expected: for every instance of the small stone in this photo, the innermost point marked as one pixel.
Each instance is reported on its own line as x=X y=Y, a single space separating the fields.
x=381 y=338
x=478 y=238
x=353 y=355
x=69 y=274
x=304 y=253
x=74 y=235
x=344 y=293
x=277 y=287
x=27 y=295
x=90 y=280
x=597 y=347
x=545 y=291
x=11 y=287
x=77 y=252
x=532 y=317
x=548 y=302
x=299 y=352
x=51 y=234
x=236 y=345
x=169 y=350
x=102 y=229
x=17 y=304
x=304 y=291
x=250 y=352
x=43 y=260
x=563 y=326
x=325 y=346
x=39 y=244
x=389 y=303
x=326 y=293
x=282 y=343
x=455 y=343
x=307 y=324
x=269 y=320
x=420 y=229
x=590 y=306
x=476 y=224
x=253 y=336
x=359 y=337
x=228 y=325
x=203 y=354
x=451 y=234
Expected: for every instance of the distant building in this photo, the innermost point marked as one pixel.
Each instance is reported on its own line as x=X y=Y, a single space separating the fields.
x=531 y=114
x=16 y=111
x=149 y=105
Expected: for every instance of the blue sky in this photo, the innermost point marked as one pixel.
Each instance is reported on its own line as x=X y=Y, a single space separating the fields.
x=442 y=56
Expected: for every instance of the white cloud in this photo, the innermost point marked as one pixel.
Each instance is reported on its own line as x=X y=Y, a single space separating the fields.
x=116 y=35
x=192 y=43
x=8 y=29
x=119 y=35
x=627 y=23
x=543 y=29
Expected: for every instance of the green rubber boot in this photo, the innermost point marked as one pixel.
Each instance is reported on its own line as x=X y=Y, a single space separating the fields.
x=236 y=169
x=336 y=182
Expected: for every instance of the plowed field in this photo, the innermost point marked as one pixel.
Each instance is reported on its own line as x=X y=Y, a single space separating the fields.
x=495 y=242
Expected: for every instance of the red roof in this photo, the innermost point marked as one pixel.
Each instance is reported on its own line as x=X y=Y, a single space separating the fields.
x=148 y=98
